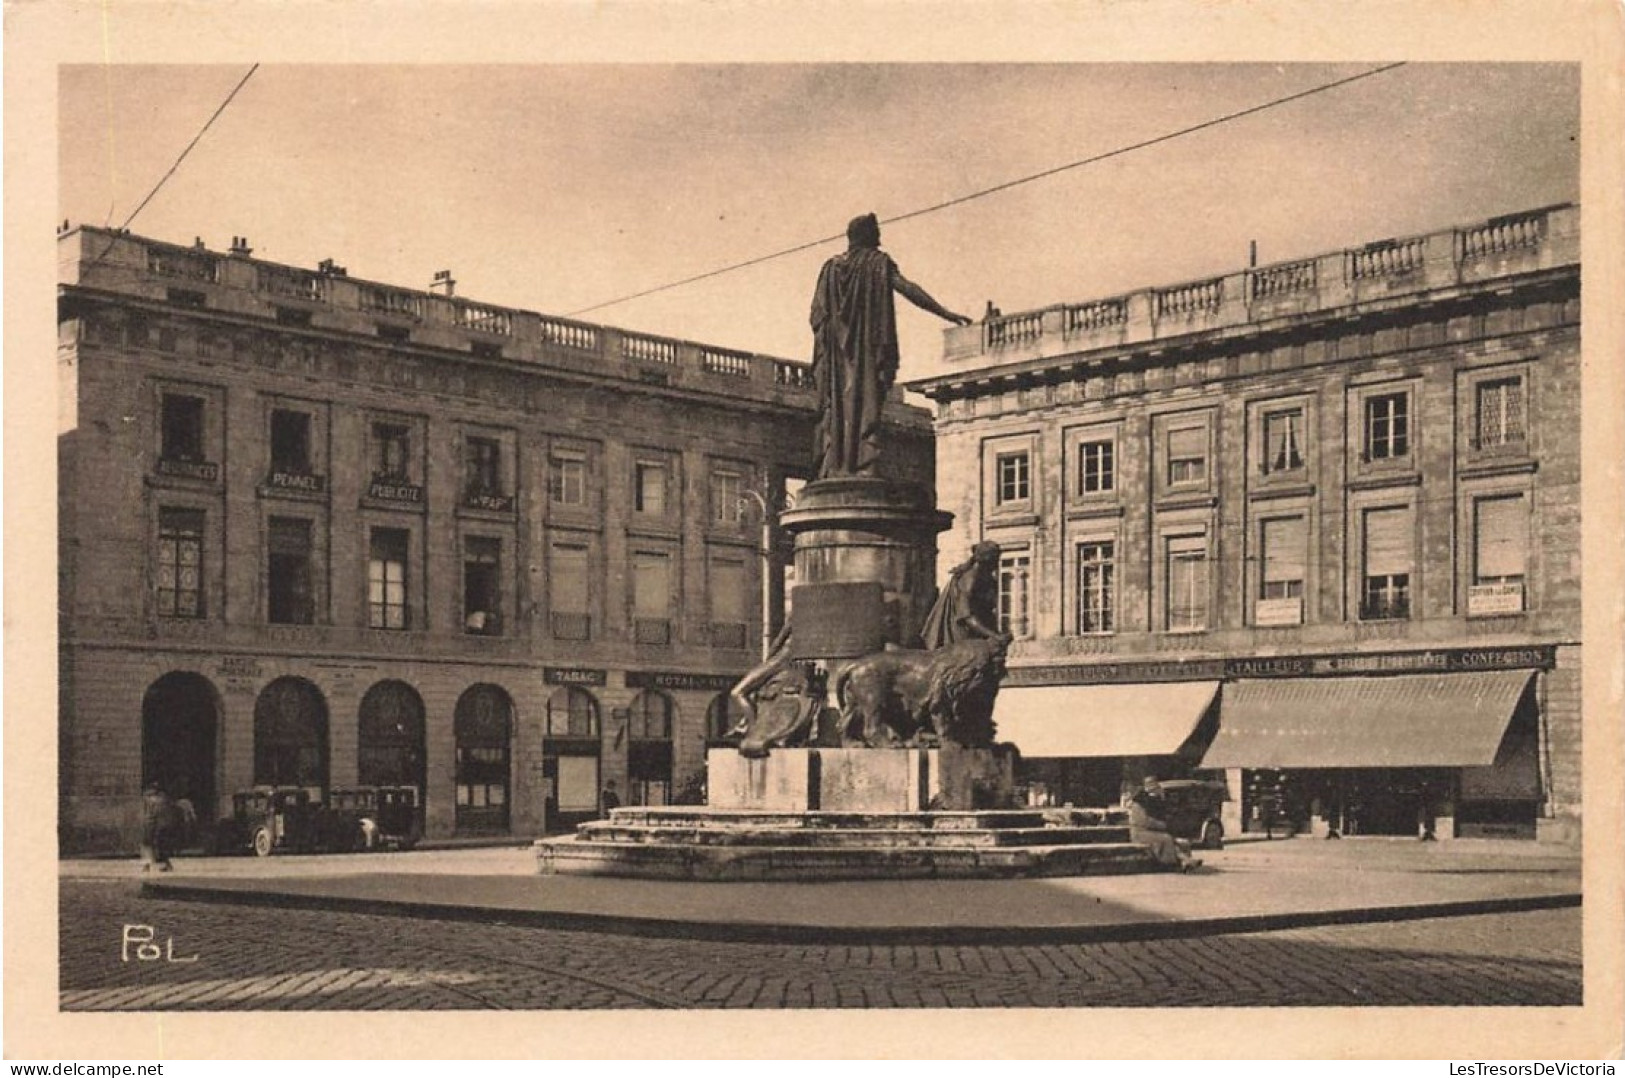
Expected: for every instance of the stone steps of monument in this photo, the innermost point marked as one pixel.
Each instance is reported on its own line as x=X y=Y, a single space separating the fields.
x=982 y=820
x=614 y=831
x=577 y=857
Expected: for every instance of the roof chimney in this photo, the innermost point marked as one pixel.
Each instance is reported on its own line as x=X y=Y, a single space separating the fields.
x=240 y=247
x=442 y=284
x=331 y=269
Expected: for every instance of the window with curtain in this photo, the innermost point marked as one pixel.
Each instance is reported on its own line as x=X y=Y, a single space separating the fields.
x=1500 y=413
x=1283 y=441
x=1014 y=573
x=386 y=579
x=1187 y=583
x=1096 y=584
x=179 y=569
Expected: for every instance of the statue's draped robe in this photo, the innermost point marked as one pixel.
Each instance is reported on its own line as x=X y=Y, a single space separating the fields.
x=855 y=358
x=968 y=595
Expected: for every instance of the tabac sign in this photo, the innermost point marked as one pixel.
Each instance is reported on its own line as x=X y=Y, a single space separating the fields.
x=574 y=675
x=1430 y=661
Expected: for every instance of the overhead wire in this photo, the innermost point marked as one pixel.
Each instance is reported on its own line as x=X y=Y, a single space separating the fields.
x=1005 y=186
x=235 y=90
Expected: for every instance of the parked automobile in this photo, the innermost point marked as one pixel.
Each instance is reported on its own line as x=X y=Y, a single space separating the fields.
x=270 y=819
x=395 y=817
x=1193 y=810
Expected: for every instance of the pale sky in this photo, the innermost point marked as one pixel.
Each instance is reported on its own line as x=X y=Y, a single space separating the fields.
x=554 y=188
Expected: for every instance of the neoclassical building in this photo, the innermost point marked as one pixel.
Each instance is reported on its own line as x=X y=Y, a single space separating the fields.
x=1313 y=527
x=327 y=532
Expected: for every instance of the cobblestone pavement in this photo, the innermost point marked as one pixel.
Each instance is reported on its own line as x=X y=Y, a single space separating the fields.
x=265 y=959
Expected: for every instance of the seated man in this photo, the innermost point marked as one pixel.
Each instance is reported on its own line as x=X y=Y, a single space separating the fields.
x=1148 y=826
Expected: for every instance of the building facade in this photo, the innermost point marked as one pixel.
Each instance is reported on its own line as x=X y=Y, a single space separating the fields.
x=1312 y=526
x=324 y=532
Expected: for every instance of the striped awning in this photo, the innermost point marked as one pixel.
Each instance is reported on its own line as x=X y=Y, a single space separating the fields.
x=1410 y=720
x=1101 y=720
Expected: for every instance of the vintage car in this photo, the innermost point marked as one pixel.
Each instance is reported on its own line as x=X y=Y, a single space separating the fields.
x=395 y=821
x=271 y=819
x=1193 y=810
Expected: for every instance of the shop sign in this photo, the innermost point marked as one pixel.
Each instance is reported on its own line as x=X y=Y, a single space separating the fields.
x=1495 y=599
x=1436 y=660
x=310 y=484
x=491 y=503
x=574 y=675
x=189 y=469
x=1273 y=612
x=384 y=491
x=677 y=680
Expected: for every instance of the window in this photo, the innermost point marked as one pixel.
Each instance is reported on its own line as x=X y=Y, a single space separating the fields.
x=1500 y=555
x=180 y=563
x=482 y=586
x=1097 y=467
x=567 y=480
x=290 y=442
x=1387 y=426
x=1187 y=584
x=182 y=428
x=651 y=599
x=1014 y=570
x=727 y=497
x=728 y=604
x=1096 y=587
x=1385 y=593
x=483 y=466
x=1283 y=561
x=386 y=579
x=1500 y=413
x=1283 y=441
x=572 y=712
x=649 y=488
x=567 y=592
x=1187 y=455
x=289 y=597
x=1013 y=477
x=391 y=446
x=650 y=716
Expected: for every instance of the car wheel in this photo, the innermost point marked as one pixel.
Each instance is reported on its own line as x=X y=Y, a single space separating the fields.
x=262 y=842
x=1213 y=835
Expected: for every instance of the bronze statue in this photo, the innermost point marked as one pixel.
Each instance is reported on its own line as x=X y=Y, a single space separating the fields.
x=855 y=355
x=780 y=700
x=922 y=698
x=967 y=608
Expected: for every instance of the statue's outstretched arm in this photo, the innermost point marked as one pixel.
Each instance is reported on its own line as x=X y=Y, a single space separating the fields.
x=923 y=300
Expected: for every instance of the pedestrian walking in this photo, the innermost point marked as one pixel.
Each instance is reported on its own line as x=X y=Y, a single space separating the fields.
x=159 y=822
x=609 y=799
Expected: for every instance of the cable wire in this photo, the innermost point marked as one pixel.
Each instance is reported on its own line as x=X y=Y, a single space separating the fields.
x=1007 y=185
x=195 y=139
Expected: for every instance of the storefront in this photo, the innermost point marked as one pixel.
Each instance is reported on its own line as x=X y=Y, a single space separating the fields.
x=1447 y=740
x=1092 y=744
x=1451 y=754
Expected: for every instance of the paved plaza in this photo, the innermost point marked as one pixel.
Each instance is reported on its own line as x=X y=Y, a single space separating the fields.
x=342 y=957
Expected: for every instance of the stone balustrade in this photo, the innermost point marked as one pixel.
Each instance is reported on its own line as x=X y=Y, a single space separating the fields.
x=328 y=299
x=1383 y=271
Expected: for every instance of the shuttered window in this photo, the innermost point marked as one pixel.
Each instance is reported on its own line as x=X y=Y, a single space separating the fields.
x=567 y=584
x=728 y=591
x=1187 y=455
x=1285 y=555
x=1501 y=532
x=1385 y=593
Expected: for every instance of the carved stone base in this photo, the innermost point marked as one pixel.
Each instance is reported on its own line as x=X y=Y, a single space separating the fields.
x=862 y=780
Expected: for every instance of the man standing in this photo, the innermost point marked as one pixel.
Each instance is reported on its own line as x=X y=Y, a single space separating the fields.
x=855 y=355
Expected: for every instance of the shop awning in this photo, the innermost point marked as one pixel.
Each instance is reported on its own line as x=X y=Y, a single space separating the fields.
x=1409 y=720
x=1101 y=720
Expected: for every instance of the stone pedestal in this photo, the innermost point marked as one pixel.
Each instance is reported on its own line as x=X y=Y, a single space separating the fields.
x=861 y=780
x=855 y=531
